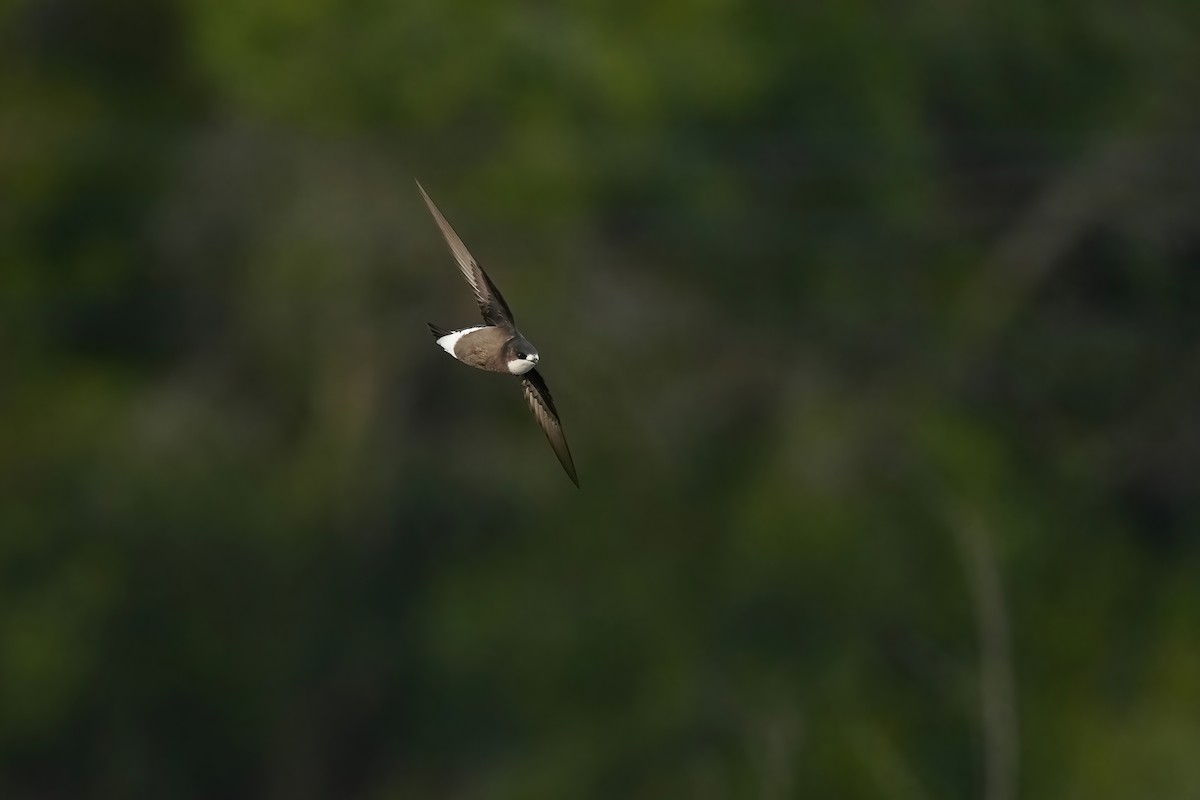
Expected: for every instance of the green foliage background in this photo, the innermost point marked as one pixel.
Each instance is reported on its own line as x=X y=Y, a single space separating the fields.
x=874 y=330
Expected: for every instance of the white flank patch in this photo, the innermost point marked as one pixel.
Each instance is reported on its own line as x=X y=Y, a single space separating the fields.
x=519 y=366
x=448 y=341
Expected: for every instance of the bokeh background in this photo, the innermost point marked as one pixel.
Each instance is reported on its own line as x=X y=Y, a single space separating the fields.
x=874 y=328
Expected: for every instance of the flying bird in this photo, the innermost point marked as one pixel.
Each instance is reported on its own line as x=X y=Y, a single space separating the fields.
x=498 y=346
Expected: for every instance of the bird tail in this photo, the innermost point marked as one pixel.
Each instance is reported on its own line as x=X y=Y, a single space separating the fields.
x=437 y=330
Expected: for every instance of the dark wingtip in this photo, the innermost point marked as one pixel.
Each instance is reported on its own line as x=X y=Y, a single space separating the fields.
x=568 y=465
x=574 y=479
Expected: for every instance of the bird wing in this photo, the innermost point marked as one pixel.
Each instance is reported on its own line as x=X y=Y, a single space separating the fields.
x=537 y=395
x=491 y=303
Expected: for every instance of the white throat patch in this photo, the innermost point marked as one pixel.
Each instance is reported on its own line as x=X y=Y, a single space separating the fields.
x=519 y=366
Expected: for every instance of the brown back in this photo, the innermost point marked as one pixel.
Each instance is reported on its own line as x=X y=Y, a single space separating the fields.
x=484 y=349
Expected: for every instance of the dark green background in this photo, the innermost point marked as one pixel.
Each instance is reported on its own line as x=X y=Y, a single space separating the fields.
x=874 y=328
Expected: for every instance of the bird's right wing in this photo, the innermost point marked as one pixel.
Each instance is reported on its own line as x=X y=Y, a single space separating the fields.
x=537 y=395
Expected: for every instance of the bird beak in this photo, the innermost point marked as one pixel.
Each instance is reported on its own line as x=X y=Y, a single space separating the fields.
x=535 y=358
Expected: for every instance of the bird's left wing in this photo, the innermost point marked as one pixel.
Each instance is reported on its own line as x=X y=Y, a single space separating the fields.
x=537 y=395
x=491 y=303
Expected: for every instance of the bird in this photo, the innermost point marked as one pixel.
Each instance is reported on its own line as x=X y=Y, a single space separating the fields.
x=498 y=346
